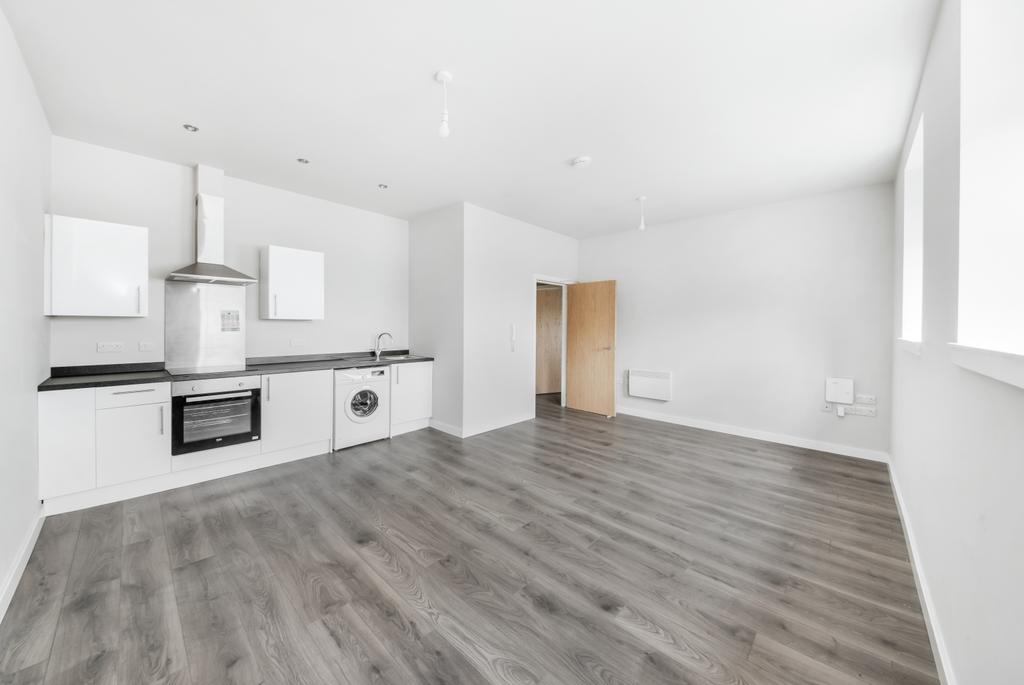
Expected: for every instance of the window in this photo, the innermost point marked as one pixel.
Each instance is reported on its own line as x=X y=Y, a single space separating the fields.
x=991 y=276
x=913 y=238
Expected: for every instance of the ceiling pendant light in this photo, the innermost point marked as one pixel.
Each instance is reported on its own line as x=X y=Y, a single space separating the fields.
x=444 y=78
x=643 y=223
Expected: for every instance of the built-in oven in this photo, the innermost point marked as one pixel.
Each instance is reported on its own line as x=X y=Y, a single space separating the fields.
x=214 y=412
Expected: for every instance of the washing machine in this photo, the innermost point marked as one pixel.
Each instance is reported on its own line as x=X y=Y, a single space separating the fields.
x=362 y=410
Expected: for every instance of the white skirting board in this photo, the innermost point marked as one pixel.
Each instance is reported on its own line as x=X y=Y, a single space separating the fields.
x=408 y=426
x=780 y=438
x=924 y=594
x=10 y=583
x=493 y=426
x=446 y=428
x=177 y=479
x=475 y=430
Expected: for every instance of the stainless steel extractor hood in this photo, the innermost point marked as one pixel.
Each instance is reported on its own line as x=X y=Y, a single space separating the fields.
x=209 y=265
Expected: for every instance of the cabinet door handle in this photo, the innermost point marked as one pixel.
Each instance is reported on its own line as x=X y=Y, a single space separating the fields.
x=398 y=375
x=268 y=389
x=132 y=392
x=275 y=304
x=161 y=419
x=138 y=299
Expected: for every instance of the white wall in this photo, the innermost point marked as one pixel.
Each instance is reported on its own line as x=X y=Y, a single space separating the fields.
x=474 y=277
x=24 y=189
x=751 y=310
x=366 y=268
x=958 y=437
x=436 y=271
x=503 y=257
x=366 y=253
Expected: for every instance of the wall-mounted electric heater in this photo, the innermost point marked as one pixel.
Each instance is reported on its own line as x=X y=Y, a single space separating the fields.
x=654 y=385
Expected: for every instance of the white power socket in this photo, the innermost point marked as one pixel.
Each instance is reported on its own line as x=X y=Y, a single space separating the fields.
x=110 y=347
x=145 y=346
x=866 y=399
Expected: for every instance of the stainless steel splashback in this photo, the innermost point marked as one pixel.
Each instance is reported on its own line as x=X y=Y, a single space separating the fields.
x=204 y=327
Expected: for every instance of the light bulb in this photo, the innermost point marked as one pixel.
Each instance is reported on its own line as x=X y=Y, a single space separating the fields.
x=444 y=78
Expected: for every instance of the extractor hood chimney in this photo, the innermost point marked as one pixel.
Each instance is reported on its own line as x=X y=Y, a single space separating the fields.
x=209 y=265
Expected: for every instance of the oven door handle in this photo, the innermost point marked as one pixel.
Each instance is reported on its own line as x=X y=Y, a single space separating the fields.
x=225 y=396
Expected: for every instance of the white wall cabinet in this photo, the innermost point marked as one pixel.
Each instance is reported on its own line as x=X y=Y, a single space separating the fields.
x=296 y=409
x=291 y=283
x=132 y=443
x=95 y=268
x=67 y=442
x=411 y=396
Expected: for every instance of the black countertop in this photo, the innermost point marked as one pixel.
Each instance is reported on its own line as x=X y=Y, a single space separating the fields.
x=258 y=366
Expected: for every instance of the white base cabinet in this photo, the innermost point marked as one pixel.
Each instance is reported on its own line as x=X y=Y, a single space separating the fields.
x=93 y=437
x=132 y=443
x=67 y=442
x=296 y=409
x=412 y=396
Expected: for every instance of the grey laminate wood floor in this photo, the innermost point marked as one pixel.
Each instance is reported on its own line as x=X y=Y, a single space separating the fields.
x=570 y=549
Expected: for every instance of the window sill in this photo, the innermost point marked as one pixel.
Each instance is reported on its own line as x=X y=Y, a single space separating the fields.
x=909 y=346
x=1003 y=366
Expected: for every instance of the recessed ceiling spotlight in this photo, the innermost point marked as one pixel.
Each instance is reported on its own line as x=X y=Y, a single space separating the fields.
x=578 y=162
x=382 y=186
x=302 y=160
x=190 y=128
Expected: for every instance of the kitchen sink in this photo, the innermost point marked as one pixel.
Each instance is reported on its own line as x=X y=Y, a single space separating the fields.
x=397 y=356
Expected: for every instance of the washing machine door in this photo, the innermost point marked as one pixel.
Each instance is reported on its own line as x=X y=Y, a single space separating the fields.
x=362 y=404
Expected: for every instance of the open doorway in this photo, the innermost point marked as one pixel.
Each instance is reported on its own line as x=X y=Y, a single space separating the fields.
x=574 y=355
x=550 y=343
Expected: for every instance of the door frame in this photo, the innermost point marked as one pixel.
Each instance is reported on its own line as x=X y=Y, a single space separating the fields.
x=541 y=279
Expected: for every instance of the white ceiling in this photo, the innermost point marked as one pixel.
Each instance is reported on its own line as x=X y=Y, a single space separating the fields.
x=701 y=105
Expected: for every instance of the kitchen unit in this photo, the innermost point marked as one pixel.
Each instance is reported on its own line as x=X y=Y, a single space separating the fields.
x=133 y=433
x=95 y=268
x=291 y=283
x=108 y=437
x=412 y=391
x=95 y=437
x=297 y=409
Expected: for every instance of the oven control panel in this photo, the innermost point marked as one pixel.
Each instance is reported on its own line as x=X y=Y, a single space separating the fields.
x=212 y=385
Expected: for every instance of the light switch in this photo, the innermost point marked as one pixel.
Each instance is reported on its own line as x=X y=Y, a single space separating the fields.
x=839 y=390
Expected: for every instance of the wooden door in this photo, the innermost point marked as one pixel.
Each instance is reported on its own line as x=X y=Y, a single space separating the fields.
x=590 y=347
x=549 y=340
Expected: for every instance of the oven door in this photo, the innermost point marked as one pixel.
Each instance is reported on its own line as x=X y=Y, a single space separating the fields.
x=202 y=422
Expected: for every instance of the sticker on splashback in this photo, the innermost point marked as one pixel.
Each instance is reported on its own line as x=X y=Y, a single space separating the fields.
x=229 y=320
